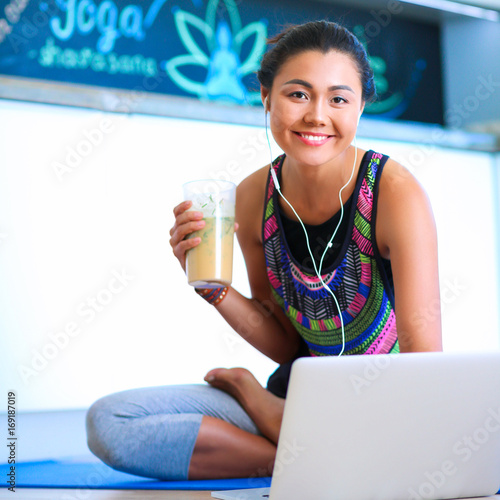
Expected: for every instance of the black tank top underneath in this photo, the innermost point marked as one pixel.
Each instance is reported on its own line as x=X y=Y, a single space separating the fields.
x=319 y=235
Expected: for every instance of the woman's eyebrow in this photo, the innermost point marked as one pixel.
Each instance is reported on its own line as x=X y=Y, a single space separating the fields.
x=340 y=87
x=298 y=81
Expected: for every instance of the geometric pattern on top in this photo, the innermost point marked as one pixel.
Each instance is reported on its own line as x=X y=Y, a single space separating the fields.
x=357 y=277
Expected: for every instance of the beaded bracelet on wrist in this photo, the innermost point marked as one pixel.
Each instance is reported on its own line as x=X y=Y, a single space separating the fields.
x=213 y=296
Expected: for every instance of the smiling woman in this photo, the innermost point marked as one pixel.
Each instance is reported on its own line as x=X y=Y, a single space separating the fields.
x=340 y=249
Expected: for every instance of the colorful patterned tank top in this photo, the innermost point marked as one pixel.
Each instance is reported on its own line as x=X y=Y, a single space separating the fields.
x=358 y=277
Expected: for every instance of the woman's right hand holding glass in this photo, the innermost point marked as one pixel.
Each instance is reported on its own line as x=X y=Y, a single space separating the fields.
x=186 y=222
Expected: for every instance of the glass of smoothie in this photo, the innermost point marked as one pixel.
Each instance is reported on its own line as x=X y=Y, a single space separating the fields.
x=210 y=264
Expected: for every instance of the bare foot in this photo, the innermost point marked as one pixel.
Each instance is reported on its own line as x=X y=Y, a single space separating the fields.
x=264 y=408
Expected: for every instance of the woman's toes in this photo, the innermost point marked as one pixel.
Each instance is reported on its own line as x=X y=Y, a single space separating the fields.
x=214 y=374
x=232 y=376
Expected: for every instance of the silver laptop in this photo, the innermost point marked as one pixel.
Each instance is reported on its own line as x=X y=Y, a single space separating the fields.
x=389 y=427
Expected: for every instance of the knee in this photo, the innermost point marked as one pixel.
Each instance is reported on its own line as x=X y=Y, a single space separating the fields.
x=101 y=422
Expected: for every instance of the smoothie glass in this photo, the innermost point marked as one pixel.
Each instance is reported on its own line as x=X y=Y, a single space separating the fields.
x=210 y=264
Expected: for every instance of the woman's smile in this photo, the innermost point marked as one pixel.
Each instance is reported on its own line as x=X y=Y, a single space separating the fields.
x=313 y=138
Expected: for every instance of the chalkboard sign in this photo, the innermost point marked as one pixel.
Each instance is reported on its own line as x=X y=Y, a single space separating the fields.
x=209 y=49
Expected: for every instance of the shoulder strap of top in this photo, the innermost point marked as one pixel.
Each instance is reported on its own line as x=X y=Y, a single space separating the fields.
x=364 y=224
x=269 y=223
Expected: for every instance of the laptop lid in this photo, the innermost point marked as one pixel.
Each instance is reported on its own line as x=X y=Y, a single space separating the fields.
x=390 y=427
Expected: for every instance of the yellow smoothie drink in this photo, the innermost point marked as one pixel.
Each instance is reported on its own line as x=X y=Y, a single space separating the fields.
x=210 y=264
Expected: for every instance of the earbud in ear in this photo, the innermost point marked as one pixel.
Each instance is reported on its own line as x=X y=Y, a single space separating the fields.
x=266 y=105
x=359 y=116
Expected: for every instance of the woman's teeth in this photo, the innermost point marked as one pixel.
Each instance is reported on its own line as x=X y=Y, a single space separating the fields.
x=314 y=137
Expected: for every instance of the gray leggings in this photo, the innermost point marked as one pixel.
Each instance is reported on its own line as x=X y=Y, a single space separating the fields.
x=151 y=432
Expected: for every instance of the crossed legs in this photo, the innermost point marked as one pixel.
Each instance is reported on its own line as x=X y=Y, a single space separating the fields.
x=226 y=429
x=223 y=450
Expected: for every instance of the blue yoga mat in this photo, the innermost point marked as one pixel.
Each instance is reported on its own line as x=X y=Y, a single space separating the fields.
x=96 y=475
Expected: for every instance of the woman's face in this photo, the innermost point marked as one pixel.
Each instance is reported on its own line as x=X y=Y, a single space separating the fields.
x=314 y=106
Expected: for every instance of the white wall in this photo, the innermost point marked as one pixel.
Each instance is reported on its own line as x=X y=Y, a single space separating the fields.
x=471 y=71
x=65 y=235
